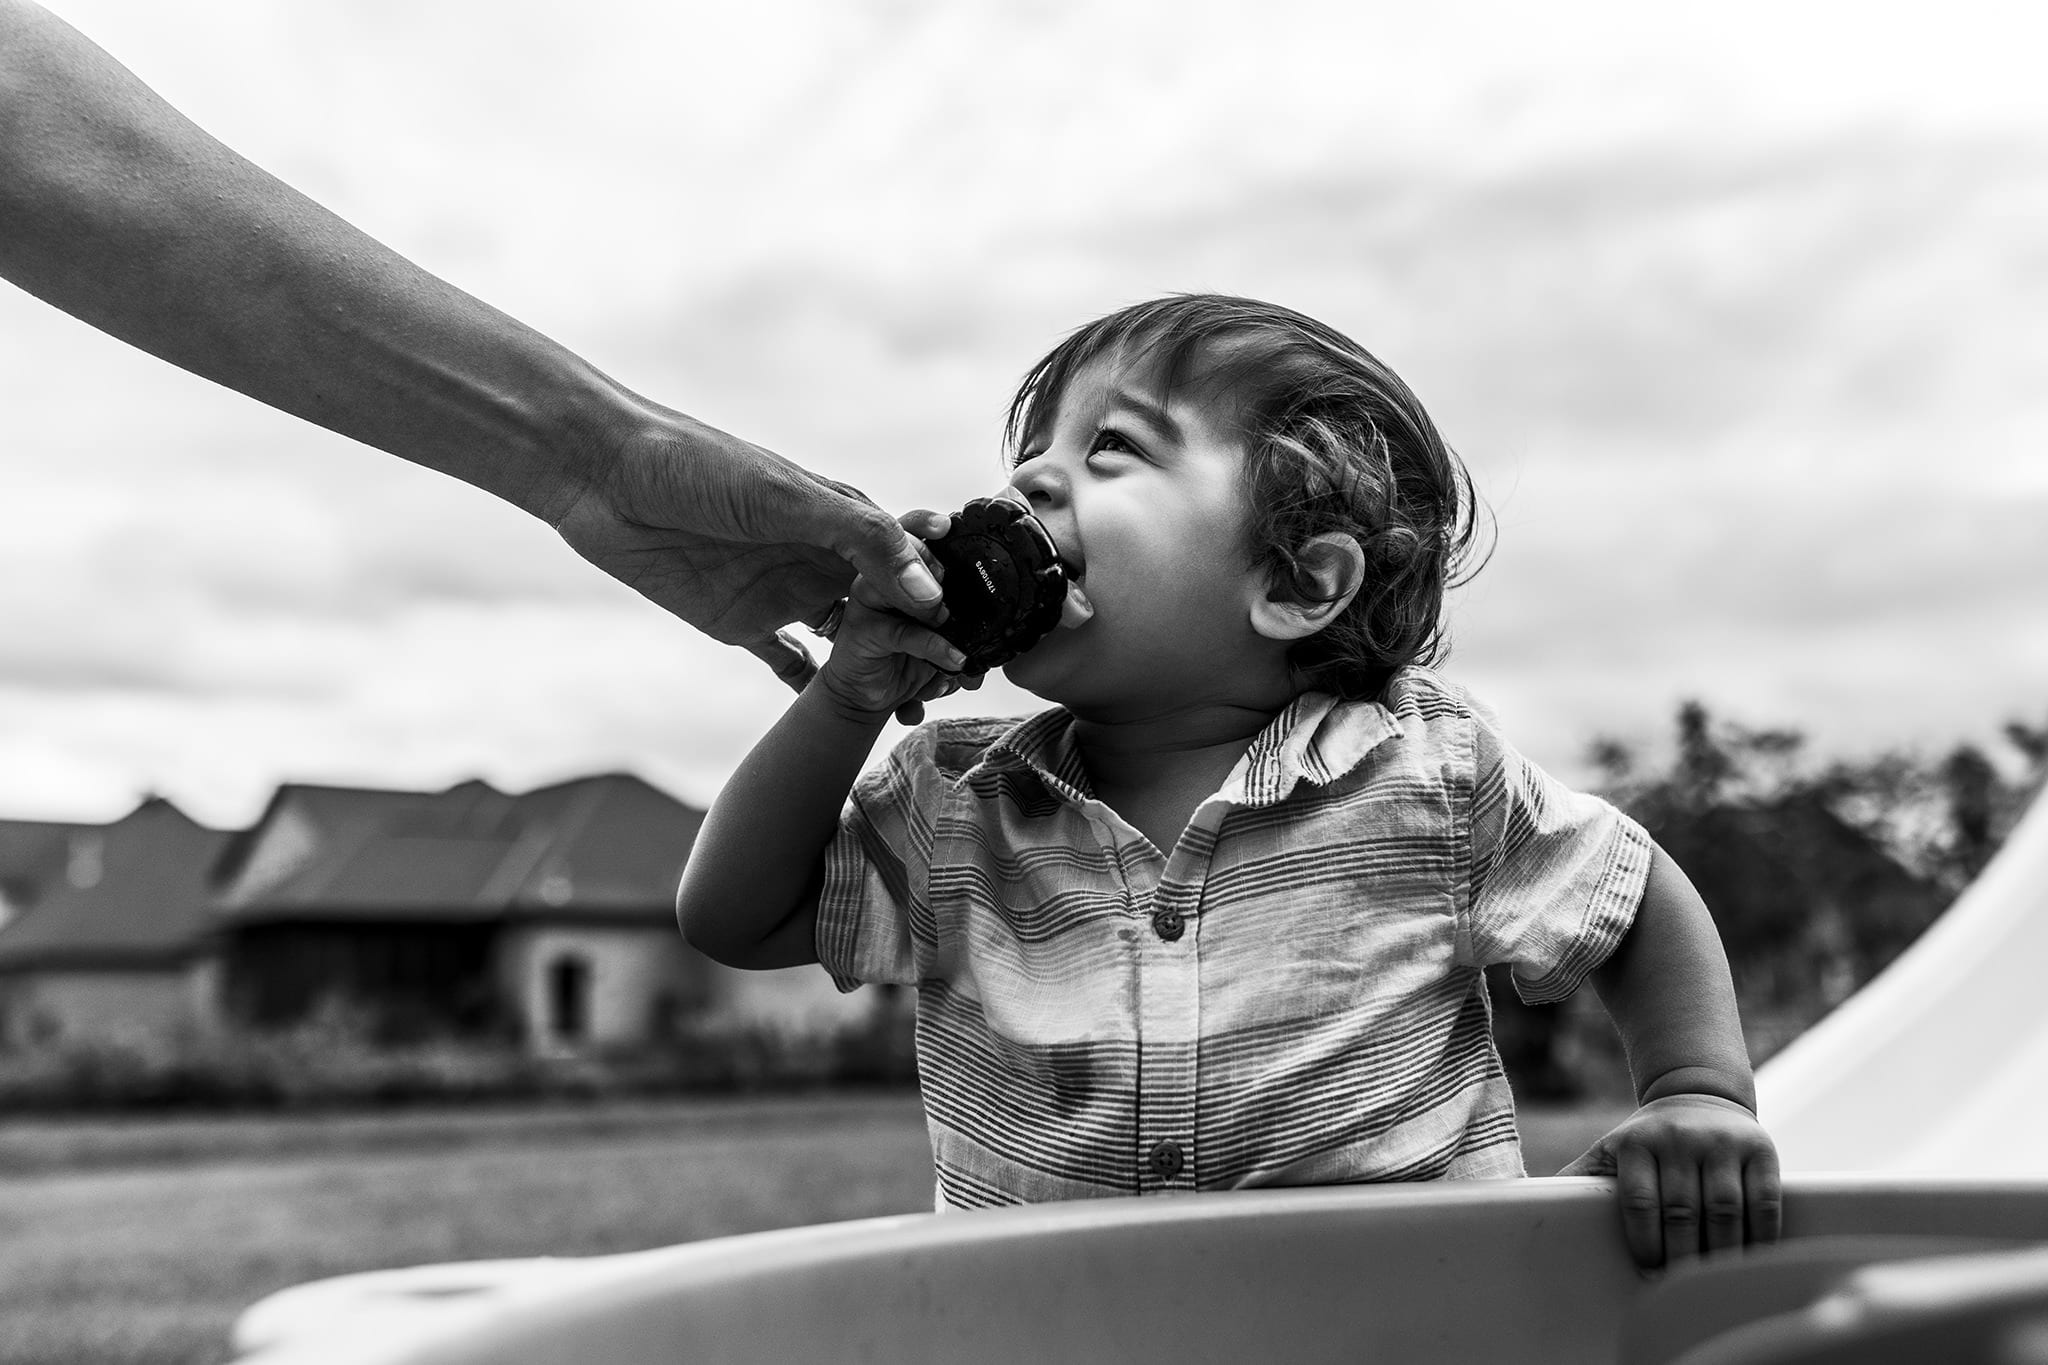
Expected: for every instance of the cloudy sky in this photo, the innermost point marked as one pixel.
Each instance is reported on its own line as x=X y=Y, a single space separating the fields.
x=1739 y=314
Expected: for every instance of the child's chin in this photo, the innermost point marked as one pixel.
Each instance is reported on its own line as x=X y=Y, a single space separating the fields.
x=1032 y=672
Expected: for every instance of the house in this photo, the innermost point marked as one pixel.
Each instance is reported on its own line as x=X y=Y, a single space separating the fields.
x=112 y=941
x=468 y=911
x=546 y=917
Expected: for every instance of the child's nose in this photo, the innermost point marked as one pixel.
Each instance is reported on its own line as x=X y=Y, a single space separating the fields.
x=1039 y=480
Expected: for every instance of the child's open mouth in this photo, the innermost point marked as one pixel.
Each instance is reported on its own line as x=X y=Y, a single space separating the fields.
x=1076 y=609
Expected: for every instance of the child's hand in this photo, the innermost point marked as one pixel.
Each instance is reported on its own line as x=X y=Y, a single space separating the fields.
x=883 y=661
x=1695 y=1174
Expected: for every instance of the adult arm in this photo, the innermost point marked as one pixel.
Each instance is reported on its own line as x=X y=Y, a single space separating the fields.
x=119 y=210
x=1694 y=1170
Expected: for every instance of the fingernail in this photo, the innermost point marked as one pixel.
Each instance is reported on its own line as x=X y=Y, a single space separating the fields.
x=917 y=582
x=955 y=660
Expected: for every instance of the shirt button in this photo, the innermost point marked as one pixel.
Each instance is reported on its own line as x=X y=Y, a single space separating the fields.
x=1168 y=924
x=1165 y=1159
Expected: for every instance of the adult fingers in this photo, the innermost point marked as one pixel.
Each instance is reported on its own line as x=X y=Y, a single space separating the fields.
x=1642 y=1204
x=826 y=620
x=924 y=523
x=789 y=660
x=1678 y=1183
x=888 y=556
x=1721 y=1202
x=1764 y=1196
x=940 y=685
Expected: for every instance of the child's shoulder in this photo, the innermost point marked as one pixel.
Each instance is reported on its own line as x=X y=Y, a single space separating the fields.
x=1417 y=693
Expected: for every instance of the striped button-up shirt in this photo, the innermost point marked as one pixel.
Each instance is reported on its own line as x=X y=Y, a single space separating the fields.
x=1293 y=994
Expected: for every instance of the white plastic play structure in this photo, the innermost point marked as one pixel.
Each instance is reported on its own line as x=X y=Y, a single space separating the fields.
x=1910 y=1123
x=1939 y=1063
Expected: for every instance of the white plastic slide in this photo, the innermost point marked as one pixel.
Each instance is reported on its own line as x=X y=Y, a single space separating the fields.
x=1940 y=1062
x=1455 y=1273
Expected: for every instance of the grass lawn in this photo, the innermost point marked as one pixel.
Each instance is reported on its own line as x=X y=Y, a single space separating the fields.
x=139 y=1240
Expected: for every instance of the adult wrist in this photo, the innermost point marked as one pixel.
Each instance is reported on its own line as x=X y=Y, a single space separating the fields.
x=580 y=424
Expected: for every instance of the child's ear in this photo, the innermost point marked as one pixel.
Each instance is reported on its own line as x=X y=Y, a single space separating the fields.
x=1328 y=572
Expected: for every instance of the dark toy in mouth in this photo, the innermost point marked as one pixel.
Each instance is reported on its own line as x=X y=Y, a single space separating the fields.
x=1004 y=582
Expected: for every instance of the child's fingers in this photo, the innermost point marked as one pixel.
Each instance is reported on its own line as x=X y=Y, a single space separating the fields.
x=901 y=635
x=1763 y=1196
x=1678 y=1182
x=939 y=685
x=1595 y=1160
x=1721 y=1201
x=1642 y=1203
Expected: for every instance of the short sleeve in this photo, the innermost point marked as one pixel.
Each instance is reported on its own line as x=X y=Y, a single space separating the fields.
x=1557 y=874
x=876 y=869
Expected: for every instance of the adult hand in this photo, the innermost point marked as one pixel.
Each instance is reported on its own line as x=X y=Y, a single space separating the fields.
x=738 y=541
x=1694 y=1173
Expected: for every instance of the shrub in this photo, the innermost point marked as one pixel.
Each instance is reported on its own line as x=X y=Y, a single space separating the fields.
x=334 y=1059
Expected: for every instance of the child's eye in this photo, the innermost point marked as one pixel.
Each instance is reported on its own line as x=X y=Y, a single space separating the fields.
x=1109 y=439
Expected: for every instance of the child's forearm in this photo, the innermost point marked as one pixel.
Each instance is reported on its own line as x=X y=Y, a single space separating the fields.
x=749 y=894
x=1668 y=990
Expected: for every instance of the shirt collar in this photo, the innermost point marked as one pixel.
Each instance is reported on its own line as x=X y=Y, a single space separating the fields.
x=1317 y=738
x=1043 y=744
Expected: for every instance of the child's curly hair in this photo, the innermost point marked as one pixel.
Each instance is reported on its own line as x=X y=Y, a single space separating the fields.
x=1334 y=442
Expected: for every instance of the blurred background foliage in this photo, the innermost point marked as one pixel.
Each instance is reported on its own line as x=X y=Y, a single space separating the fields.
x=343 y=1057
x=1818 y=874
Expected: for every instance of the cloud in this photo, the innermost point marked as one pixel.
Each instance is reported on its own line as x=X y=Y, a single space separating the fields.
x=1870 y=617
x=521 y=695
x=1738 y=335
x=194 y=580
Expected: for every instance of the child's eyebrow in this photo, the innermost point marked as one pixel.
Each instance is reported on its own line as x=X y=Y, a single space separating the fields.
x=1148 y=412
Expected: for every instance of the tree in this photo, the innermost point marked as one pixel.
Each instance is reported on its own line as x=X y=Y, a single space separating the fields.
x=1817 y=875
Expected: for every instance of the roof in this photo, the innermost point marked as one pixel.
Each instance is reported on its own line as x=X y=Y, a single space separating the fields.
x=595 y=847
x=33 y=854
x=137 y=894
x=25 y=845
x=148 y=889
x=617 y=841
